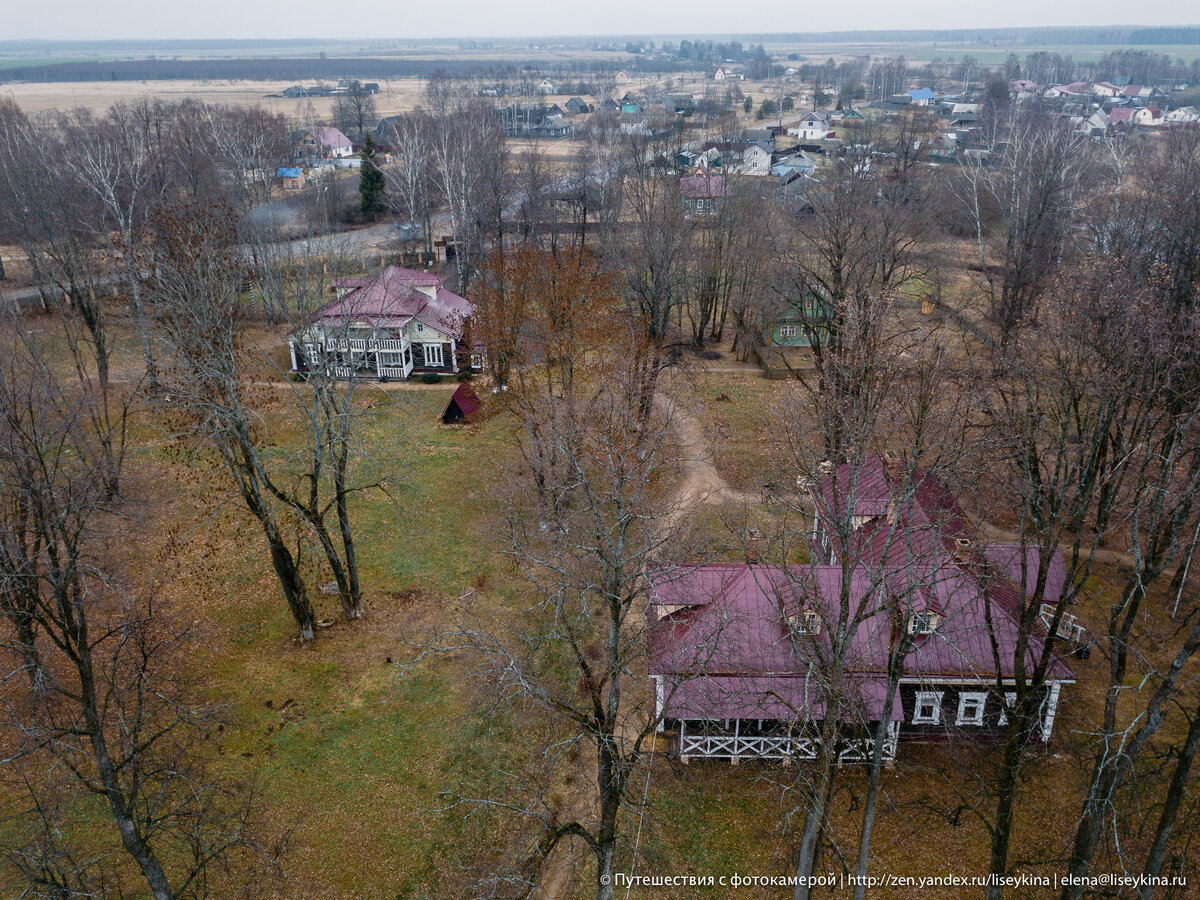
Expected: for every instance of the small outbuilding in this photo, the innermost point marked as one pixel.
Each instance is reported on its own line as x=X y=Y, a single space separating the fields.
x=464 y=404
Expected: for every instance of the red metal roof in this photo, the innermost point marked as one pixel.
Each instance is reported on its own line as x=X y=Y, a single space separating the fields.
x=730 y=621
x=393 y=297
x=466 y=399
x=699 y=187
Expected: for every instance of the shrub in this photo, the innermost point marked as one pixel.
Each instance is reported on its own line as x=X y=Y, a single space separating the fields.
x=465 y=375
x=431 y=378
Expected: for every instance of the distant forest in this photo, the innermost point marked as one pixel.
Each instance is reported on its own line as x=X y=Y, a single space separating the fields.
x=286 y=69
x=1102 y=35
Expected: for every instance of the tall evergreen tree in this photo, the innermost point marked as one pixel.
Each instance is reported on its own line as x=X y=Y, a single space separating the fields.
x=372 y=189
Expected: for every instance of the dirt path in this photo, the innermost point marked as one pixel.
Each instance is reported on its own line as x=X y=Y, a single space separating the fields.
x=701 y=483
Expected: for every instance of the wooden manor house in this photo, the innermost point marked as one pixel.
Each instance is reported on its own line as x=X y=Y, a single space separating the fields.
x=739 y=652
x=386 y=326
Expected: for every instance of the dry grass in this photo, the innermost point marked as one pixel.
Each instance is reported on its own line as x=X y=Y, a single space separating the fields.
x=356 y=752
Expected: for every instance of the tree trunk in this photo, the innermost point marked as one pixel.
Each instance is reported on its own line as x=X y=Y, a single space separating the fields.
x=134 y=843
x=1014 y=754
x=349 y=606
x=873 y=777
x=293 y=585
x=139 y=313
x=355 y=610
x=814 y=816
x=1175 y=794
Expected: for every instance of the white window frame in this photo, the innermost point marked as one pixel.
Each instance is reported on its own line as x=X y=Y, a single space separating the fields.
x=923 y=622
x=434 y=350
x=420 y=328
x=806 y=622
x=965 y=697
x=923 y=698
x=787 y=331
x=1010 y=698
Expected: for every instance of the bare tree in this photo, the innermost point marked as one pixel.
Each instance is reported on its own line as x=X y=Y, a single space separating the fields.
x=196 y=290
x=409 y=181
x=649 y=250
x=585 y=515
x=354 y=110
x=1022 y=195
x=111 y=715
x=110 y=162
x=1096 y=429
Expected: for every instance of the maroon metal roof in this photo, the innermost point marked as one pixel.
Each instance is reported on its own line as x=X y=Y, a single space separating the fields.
x=775 y=696
x=699 y=187
x=393 y=297
x=730 y=621
x=466 y=400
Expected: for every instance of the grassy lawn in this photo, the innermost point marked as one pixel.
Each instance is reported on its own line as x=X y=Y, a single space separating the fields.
x=356 y=753
x=739 y=415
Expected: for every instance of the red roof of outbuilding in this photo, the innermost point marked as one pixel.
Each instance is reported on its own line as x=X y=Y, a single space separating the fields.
x=466 y=399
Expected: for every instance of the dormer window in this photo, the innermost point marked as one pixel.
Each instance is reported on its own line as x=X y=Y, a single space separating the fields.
x=923 y=623
x=806 y=622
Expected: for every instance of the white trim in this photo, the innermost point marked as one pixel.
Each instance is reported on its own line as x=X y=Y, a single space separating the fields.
x=426 y=353
x=923 y=697
x=1051 y=709
x=948 y=679
x=965 y=697
x=1010 y=698
x=658 y=700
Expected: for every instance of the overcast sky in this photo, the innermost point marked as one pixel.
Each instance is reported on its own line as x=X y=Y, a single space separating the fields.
x=154 y=19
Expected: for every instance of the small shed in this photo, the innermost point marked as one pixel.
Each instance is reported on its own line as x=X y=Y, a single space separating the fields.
x=464 y=404
x=290 y=176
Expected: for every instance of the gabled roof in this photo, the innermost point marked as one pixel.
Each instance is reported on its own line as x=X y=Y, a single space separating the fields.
x=331 y=137
x=699 y=187
x=922 y=94
x=392 y=298
x=465 y=399
x=288 y=172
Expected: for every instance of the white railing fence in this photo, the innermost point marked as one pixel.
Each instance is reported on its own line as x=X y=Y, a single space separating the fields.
x=801 y=747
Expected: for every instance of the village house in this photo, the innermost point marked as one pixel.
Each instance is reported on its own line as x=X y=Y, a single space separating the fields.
x=386 y=326
x=1022 y=89
x=320 y=143
x=794 y=163
x=736 y=649
x=755 y=160
x=1147 y=115
x=702 y=194
x=921 y=97
x=576 y=106
x=1074 y=89
x=813 y=127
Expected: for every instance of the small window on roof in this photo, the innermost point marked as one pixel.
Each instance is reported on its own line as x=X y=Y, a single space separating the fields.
x=923 y=623
x=807 y=622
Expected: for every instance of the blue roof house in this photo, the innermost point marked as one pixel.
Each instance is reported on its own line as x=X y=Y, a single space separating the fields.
x=921 y=97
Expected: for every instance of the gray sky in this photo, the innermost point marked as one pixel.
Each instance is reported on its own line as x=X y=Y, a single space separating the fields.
x=156 y=19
